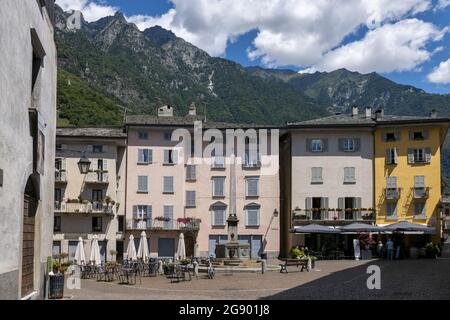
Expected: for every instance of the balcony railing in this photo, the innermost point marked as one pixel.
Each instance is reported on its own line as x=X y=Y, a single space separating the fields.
x=97 y=177
x=60 y=176
x=334 y=215
x=252 y=162
x=94 y=207
x=392 y=193
x=421 y=193
x=157 y=224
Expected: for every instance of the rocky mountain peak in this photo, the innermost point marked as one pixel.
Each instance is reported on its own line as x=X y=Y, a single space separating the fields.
x=159 y=35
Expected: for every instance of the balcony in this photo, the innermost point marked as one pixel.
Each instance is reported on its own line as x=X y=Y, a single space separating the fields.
x=94 y=207
x=99 y=177
x=334 y=215
x=252 y=162
x=421 y=193
x=392 y=193
x=60 y=176
x=190 y=224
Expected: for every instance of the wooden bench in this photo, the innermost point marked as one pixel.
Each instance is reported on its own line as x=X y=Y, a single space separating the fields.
x=293 y=262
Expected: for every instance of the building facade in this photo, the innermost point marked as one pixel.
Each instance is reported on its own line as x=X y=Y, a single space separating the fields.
x=27 y=131
x=408 y=169
x=167 y=196
x=93 y=203
x=329 y=176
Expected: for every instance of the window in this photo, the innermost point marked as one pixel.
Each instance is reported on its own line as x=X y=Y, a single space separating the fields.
x=145 y=156
x=97 y=195
x=57 y=224
x=168 y=184
x=392 y=182
x=59 y=147
x=349 y=175
x=143 y=135
x=419 y=155
x=120 y=224
x=349 y=145
x=391 y=156
x=218 y=186
x=98 y=148
x=418 y=135
x=316 y=175
x=96 y=224
x=142 y=184
x=218 y=162
x=252 y=186
x=218 y=215
x=252 y=159
x=167 y=136
x=191 y=172
x=419 y=210
x=391 y=210
x=142 y=212
x=252 y=216
x=170 y=156
x=316 y=145
x=390 y=136
x=190 y=199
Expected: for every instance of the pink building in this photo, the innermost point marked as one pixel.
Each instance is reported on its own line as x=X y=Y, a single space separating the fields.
x=167 y=196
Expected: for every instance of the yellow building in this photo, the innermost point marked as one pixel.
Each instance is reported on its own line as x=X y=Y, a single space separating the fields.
x=407 y=168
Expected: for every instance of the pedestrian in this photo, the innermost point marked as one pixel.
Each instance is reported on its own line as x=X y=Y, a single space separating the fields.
x=380 y=248
x=390 y=249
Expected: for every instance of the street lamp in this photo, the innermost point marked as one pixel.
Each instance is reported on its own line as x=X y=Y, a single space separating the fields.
x=275 y=213
x=84 y=164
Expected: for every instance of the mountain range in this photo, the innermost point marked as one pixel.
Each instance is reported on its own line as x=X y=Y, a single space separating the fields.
x=109 y=68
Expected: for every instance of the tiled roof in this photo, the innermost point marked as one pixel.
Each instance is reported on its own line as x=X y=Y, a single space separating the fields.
x=104 y=132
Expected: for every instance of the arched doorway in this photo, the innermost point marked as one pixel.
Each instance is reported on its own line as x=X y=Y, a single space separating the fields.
x=189 y=241
x=30 y=204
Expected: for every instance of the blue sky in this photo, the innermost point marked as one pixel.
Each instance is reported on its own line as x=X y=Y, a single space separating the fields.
x=407 y=41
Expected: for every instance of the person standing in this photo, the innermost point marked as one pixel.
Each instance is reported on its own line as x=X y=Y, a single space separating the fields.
x=380 y=248
x=390 y=249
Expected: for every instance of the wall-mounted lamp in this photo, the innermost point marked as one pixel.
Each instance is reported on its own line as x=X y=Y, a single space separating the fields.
x=275 y=213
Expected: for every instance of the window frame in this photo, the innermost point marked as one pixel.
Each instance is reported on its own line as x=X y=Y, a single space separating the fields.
x=214 y=179
x=172 y=184
x=314 y=145
x=249 y=179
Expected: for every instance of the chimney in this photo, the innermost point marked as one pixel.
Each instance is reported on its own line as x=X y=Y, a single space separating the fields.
x=354 y=111
x=192 y=109
x=433 y=114
x=165 y=111
x=379 y=113
x=368 y=112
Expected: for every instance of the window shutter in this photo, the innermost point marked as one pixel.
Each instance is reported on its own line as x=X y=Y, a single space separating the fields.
x=388 y=156
x=411 y=135
x=166 y=156
x=410 y=155
x=94 y=165
x=417 y=209
x=428 y=155
x=142 y=183
x=358 y=204
x=252 y=187
x=357 y=142
x=175 y=156
x=341 y=144
x=324 y=145
x=341 y=203
x=90 y=148
x=135 y=212
x=392 y=182
x=425 y=134
x=384 y=136
x=105 y=148
x=397 y=135
x=105 y=165
x=324 y=205
x=308 y=204
x=149 y=155
x=140 y=155
x=308 y=145
x=191 y=172
x=149 y=213
x=346 y=174
x=63 y=164
x=419 y=181
x=395 y=156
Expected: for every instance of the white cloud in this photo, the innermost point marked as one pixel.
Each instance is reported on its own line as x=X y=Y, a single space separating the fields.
x=441 y=74
x=294 y=32
x=442 y=4
x=392 y=47
x=91 y=10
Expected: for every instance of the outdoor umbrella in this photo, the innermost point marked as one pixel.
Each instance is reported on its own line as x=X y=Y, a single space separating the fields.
x=80 y=256
x=315 y=228
x=405 y=226
x=131 y=249
x=95 y=252
x=143 y=247
x=181 y=252
x=360 y=227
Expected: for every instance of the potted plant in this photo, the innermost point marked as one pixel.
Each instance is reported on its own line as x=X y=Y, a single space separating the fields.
x=108 y=199
x=432 y=250
x=113 y=253
x=168 y=268
x=296 y=252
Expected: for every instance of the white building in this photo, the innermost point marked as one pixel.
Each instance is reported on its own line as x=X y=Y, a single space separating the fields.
x=27 y=144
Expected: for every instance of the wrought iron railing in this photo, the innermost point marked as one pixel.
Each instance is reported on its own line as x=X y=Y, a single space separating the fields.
x=335 y=215
x=158 y=224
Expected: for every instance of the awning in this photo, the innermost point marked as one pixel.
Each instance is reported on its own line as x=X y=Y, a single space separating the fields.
x=405 y=226
x=360 y=227
x=314 y=228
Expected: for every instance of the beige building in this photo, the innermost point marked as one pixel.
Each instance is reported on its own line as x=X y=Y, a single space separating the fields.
x=167 y=196
x=27 y=144
x=93 y=203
